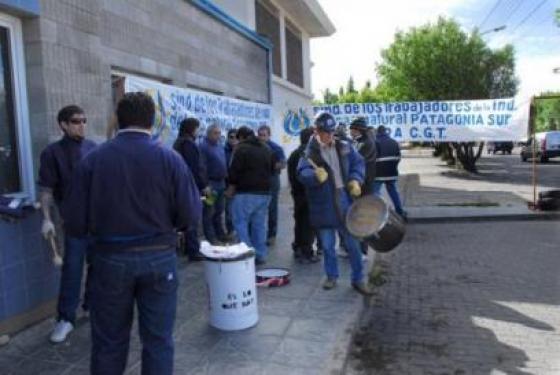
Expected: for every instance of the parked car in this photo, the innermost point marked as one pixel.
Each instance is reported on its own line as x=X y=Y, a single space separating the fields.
x=546 y=145
x=504 y=147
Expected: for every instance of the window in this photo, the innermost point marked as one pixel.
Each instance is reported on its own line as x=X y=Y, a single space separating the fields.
x=9 y=158
x=16 y=170
x=294 y=55
x=268 y=24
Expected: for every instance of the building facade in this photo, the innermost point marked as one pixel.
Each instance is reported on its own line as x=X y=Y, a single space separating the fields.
x=55 y=53
x=289 y=26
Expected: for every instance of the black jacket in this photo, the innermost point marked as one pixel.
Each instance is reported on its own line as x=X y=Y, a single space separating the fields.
x=297 y=187
x=188 y=149
x=388 y=158
x=252 y=165
x=366 y=147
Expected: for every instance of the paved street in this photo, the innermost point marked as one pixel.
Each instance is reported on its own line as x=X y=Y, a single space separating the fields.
x=473 y=298
x=503 y=180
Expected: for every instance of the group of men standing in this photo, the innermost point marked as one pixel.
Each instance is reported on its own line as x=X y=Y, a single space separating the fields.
x=210 y=162
x=122 y=204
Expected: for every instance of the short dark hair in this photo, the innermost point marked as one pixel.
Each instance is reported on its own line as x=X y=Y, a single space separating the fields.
x=305 y=135
x=188 y=126
x=264 y=127
x=66 y=113
x=232 y=132
x=381 y=129
x=245 y=132
x=136 y=109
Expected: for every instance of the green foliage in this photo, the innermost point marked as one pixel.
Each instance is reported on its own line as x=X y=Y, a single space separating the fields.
x=442 y=62
x=548 y=112
x=350 y=86
x=329 y=97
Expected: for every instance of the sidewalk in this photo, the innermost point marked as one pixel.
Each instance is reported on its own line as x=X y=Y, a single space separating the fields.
x=302 y=329
x=433 y=192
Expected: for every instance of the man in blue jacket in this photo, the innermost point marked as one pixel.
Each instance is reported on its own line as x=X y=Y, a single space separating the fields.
x=58 y=161
x=386 y=168
x=187 y=147
x=332 y=172
x=131 y=196
x=214 y=157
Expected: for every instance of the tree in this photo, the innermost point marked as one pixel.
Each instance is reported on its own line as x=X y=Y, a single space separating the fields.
x=341 y=92
x=329 y=97
x=548 y=112
x=442 y=62
x=350 y=86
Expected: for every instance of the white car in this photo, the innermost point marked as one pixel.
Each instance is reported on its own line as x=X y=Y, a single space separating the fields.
x=546 y=145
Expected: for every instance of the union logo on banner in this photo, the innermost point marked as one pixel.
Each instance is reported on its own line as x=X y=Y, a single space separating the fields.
x=295 y=122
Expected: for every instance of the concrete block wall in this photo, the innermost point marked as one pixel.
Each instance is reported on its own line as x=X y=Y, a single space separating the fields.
x=74 y=45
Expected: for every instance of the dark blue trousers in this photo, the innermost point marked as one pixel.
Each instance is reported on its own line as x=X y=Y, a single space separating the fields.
x=120 y=280
x=75 y=254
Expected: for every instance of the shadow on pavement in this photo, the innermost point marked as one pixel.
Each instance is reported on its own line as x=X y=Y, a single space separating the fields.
x=474 y=298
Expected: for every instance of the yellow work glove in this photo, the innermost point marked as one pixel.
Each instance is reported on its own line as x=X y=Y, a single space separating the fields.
x=354 y=189
x=321 y=174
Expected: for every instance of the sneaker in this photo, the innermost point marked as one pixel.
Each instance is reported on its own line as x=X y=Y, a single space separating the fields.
x=362 y=288
x=61 y=331
x=329 y=284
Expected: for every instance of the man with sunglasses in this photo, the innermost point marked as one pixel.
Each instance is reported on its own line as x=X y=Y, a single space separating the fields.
x=58 y=161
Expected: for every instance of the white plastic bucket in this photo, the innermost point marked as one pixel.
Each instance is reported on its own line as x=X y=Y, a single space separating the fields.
x=232 y=292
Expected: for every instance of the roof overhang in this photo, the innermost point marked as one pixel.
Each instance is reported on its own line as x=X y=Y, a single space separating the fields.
x=310 y=16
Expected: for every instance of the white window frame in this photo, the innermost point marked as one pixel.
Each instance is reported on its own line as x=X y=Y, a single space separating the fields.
x=21 y=115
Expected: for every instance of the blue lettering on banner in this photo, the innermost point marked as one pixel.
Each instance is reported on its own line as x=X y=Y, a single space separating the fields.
x=446 y=121
x=173 y=104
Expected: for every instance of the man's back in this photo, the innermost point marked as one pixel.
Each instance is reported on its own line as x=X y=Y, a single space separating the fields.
x=251 y=167
x=137 y=192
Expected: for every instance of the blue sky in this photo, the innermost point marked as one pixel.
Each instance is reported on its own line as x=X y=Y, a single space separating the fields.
x=365 y=27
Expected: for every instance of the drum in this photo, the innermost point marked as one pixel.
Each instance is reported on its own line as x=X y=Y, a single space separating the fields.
x=273 y=277
x=370 y=218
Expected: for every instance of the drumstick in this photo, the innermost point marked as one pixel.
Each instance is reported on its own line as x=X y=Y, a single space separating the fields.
x=57 y=260
x=315 y=166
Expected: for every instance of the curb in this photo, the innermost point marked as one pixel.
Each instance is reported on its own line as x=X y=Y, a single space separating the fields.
x=541 y=216
x=337 y=363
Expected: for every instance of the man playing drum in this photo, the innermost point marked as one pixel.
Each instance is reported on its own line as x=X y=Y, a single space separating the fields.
x=332 y=172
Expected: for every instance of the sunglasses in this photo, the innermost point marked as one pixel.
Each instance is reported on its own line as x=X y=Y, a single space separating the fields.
x=77 y=121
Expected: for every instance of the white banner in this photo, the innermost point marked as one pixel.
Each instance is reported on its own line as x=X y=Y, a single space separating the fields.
x=173 y=104
x=442 y=121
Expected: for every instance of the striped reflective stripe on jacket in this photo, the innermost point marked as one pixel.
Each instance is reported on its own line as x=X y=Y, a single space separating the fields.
x=380 y=179
x=388 y=158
